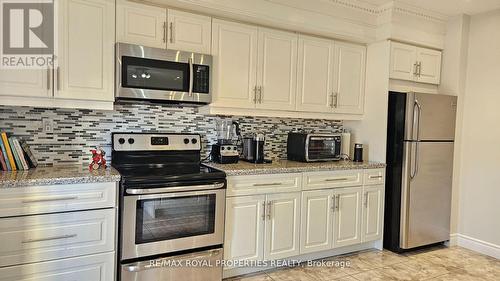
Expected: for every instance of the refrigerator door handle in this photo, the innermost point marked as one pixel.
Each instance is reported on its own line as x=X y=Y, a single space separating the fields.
x=419 y=113
x=414 y=165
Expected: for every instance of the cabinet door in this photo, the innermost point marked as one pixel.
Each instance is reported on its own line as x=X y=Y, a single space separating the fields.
x=235 y=64
x=373 y=213
x=316 y=222
x=141 y=24
x=189 y=32
x=244 y=231
x=25 y=82
x=282 y=227
x=277 y=69
x=347 y=226
x=85 y=59
x=430 y=66
x=403 y=62
x=349 y=89
x=315 y=74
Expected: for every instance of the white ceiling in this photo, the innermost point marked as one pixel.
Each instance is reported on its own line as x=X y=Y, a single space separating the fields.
x=448 y=7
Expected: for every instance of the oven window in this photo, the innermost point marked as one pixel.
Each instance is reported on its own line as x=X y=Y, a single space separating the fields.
x=155 y=74
x=172 y=218
x=321 y=148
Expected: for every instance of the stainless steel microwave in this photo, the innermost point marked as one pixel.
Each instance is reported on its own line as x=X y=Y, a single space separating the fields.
x=306 y=147
x=162 y=75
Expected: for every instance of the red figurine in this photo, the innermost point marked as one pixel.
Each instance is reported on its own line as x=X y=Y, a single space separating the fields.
x=98 y=159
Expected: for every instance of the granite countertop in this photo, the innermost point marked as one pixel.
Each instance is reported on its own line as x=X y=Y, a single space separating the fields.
x=48 y=175
x=286 y=166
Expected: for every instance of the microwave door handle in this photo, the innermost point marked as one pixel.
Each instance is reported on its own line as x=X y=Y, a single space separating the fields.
x=191 y=73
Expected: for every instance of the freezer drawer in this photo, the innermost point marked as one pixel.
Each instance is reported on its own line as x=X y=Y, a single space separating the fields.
x=426 y=194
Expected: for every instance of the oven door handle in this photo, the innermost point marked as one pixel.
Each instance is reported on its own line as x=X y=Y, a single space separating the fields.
x=154 y=264
x=141 y=191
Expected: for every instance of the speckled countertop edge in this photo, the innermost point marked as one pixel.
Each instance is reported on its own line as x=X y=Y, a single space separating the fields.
x=285 y=166
x=52 y=175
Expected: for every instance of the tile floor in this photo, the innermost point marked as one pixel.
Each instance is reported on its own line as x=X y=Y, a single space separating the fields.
x=436 y=264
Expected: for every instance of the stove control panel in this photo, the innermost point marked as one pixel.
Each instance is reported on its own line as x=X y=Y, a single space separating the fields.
x=155 y=141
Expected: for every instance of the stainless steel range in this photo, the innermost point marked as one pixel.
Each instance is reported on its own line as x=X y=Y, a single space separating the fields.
x=172 y=208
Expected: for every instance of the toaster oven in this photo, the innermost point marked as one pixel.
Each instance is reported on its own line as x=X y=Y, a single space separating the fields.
x=307 y=147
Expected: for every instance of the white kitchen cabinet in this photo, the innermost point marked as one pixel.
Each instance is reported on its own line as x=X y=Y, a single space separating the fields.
x=348 y=215
x=25 y=82
x=234 y=48
x=316 y=221
x=349 y=87
x=373 y=213
x=244 y=231
x=429 y=66
x=276 y=69
x=315 y=77
x=141 y=24
x=85 y=58
x=283 y=226
x=257 y=184
x=415 y=64
x=189 y=32
x=99 y=267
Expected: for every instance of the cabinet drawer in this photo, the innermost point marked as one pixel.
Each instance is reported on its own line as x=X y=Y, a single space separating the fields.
x=263 y=184
x=45 y=237
x=94 y=267
x=56 y=198
x=332 y=179
x=374 y=176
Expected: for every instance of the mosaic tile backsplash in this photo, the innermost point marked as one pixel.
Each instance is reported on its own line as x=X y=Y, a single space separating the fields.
x=75 y=131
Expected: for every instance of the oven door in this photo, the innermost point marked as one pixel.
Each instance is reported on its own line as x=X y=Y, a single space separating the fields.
x=159 y=74
x=161 y=223
x=322 y=148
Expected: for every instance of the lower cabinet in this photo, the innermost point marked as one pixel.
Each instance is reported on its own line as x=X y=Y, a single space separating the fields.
x=333 y=218
x=100 y=267
x=263 y=227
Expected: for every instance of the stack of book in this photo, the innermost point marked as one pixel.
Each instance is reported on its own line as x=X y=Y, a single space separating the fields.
x=15 y=154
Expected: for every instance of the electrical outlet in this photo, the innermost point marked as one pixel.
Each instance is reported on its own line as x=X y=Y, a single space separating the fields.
x=48 y=126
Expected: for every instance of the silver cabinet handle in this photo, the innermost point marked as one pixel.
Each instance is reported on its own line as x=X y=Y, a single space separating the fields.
x=164 y=32
x=366 y=200
x=338 y=202
x=191 y=78
x=260 y=94
x=171 y=32
x=50 y=199
x=269 y=208
x=58 y=73
x=49 y=238
x=334 y=203
x=419 y=68
x=415 y=69
x=331 y=99
x=267 y=184
x=374 y=177
x=337 y=179
x=336 y=99
x=255 y=94
x=263 y=211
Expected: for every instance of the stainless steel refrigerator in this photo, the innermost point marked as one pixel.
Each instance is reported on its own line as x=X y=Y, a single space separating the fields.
x=420 y=140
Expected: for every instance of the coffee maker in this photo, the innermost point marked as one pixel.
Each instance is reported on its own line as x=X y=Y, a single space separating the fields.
x=225 y=151
x=253 y=149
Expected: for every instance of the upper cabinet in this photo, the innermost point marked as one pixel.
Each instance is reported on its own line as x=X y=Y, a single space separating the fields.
x=189 y=32
x=234 y=64
x=157 y=27
x=415 y=64
x=141 y=24
x=83 y=62
x=86 y=50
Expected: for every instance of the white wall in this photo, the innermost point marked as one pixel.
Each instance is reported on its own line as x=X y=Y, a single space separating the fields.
x=453 y=77
x=479 y=217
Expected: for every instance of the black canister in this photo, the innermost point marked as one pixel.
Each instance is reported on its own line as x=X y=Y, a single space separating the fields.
x=258 y=149
x=358 y=152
